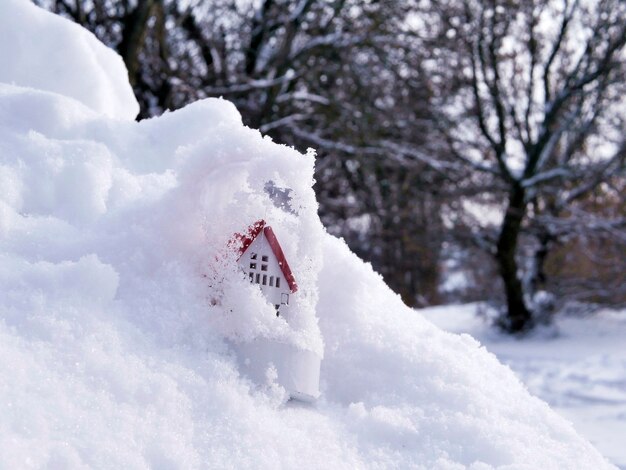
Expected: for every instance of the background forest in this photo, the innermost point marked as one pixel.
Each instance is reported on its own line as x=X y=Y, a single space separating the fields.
x=469 y=149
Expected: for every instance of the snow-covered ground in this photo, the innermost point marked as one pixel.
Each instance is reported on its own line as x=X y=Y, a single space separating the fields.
x=119 y=300
x=578 y=367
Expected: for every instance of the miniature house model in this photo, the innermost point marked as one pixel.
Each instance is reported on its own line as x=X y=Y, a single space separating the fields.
x=263 y=262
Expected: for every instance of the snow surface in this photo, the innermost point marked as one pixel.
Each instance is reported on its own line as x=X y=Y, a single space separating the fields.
x=51 y=53
x=118 y=302
x=578 y=366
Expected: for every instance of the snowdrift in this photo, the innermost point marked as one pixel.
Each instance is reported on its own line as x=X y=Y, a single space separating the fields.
x=114 y=352
x=46 y=52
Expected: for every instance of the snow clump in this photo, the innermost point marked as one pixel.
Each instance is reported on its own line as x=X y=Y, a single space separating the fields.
x=50 y=53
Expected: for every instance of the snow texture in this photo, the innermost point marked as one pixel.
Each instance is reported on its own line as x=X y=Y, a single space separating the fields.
x=578 y=366
x=118 y=303
x=51 y=53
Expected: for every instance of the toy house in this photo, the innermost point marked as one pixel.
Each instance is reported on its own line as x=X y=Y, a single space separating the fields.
x=262 y=259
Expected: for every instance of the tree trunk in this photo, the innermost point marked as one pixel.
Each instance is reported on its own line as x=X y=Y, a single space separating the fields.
x=133 y=36
x=538 y=275
x=518 y=318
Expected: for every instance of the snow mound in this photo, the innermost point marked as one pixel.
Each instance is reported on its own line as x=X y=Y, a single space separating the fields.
x=119 y=303
x=47 y=52
x=578 y=366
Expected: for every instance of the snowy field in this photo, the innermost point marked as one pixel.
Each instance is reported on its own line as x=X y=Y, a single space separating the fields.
x=120 y=300
x=578 y=367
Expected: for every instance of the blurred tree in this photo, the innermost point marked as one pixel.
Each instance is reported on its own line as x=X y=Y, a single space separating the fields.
x=586 y=262
x=539 y=116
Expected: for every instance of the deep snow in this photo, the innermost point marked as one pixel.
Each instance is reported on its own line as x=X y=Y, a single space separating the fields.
x=118 y=300
x=578 y=366
x=41 y=51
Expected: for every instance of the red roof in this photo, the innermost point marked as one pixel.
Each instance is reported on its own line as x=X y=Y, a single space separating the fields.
x=243 y=242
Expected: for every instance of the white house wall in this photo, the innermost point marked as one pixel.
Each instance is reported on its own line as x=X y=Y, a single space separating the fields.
x=253 y=267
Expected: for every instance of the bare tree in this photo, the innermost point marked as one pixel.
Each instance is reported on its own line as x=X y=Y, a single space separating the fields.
x=538 y=113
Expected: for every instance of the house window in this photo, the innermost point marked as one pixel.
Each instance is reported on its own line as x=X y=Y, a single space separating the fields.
x=284 y=299
x=264 y=279
x=264 y=258
x=251 y=277
x=277 y=307
x=277 y=281
x=264 y=267
x=257 y=278
x=252 y=255
x=252 y=265
x=271 y=281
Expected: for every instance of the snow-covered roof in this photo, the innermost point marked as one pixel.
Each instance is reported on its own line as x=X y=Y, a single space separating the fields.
x=244 y=240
